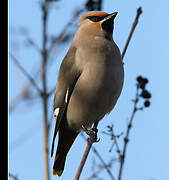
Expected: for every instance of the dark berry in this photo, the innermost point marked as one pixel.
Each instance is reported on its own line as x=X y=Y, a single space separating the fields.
x=145 y=80
x=139 y=79
x=147 y=103
x=145 y=94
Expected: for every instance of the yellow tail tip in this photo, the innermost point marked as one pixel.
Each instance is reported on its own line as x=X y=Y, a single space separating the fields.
x=59 y=173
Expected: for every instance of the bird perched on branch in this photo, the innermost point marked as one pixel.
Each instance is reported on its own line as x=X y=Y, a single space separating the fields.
x=89 y=83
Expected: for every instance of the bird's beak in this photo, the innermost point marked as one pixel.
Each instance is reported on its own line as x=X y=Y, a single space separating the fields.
x=111 y=16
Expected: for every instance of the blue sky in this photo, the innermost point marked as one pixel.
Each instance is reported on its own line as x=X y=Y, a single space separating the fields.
x=147 y=55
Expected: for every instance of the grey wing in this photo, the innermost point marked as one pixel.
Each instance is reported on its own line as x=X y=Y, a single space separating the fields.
x=68 y=76
x=67 y=73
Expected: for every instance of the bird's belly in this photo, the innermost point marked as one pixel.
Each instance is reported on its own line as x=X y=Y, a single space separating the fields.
x=94 y=95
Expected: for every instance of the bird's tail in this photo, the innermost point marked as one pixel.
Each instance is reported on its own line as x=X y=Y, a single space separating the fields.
x=66 y=139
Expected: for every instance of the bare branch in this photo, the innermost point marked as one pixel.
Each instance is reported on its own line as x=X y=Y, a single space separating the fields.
x=126 y=139
x=26 y=73
x=44 y=54
x=83 y=160
x=33 y=44
x=24 y=93
x=114 y=138
x=144 y=94
x=101 y=159
x=29 y=40
x=91 y=140
x=139 y=11
x=104 y=164
x=101 y=168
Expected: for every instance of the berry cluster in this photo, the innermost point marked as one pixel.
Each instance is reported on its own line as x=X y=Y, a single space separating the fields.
x=145 y=94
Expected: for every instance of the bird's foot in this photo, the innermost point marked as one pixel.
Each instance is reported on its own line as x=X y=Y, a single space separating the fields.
x=92 y=133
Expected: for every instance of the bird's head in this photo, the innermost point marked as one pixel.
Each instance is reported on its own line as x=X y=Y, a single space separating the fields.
x=97 y=23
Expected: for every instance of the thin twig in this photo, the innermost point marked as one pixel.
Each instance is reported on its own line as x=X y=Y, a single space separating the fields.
x=91 y=140
x=21 y=95
x=25 y=73
x=139 y=11
x=83 y=159
x=29 y=39
x=104 y=164
x=101 y=159
x=126 y=138
x=44 y=84
x=101 y=168
x=114 y=138
x=25 y=92
x=33 y=44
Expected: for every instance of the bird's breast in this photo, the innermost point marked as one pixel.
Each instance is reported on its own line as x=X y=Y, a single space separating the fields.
x=98 y=86
x=94 y=95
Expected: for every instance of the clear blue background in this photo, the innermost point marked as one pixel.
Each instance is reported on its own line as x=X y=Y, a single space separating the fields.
x=147 y=55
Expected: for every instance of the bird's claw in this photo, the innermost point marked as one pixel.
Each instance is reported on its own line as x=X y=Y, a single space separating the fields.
x=92 y=133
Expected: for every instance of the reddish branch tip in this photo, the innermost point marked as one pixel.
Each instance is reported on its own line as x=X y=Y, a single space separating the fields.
x=139 y=10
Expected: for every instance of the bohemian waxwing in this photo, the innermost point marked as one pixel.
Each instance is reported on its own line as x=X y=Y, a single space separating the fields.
x=89 y=83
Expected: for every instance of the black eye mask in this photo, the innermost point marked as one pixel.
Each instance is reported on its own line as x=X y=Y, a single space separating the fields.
x=95 y=18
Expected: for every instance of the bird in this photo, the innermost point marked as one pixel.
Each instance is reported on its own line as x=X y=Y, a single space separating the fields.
x=89 y=81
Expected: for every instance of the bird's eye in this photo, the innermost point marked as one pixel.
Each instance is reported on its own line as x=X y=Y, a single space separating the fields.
x=95 y=18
